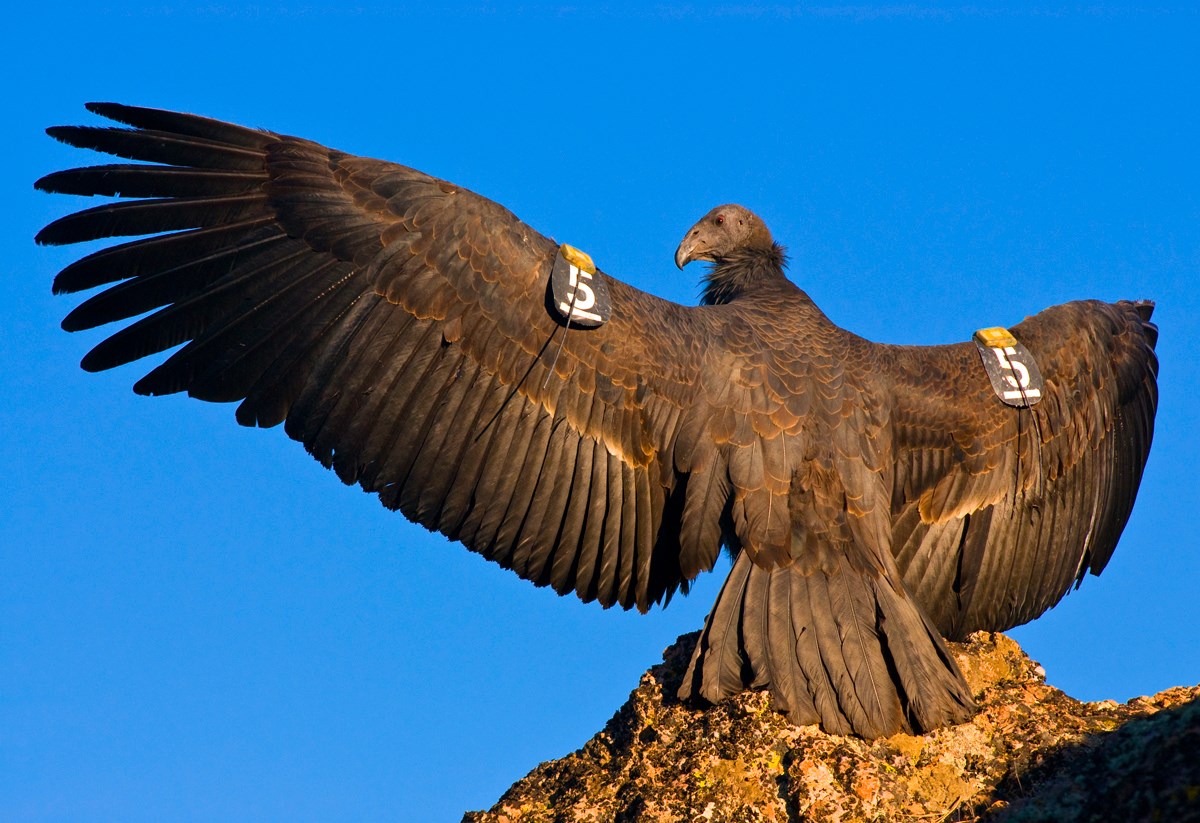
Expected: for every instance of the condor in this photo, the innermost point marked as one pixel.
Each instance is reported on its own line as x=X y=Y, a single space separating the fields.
x=876 y=499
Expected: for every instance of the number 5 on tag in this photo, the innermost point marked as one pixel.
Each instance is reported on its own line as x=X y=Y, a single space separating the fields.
x=1010 y=366
x=578 y=290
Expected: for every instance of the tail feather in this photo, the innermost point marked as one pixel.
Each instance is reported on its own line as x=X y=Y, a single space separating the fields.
x=910 y=636
x=864 y=684
x=754 y=613
x=841 y=647
x=807 y=650
x=808 y=681
x=721 y=673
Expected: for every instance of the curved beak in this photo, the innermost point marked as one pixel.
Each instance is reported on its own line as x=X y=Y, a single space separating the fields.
x=683 y=254
x=690 y=248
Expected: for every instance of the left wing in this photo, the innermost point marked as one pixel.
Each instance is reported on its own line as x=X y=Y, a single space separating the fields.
x=400 y=326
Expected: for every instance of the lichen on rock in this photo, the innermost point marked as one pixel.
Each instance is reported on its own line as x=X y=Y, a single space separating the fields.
x=1031 y=754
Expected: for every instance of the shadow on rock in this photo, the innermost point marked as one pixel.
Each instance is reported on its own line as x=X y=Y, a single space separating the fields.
x=1148 y=769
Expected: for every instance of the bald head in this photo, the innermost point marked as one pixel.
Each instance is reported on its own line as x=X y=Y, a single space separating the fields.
x=724 y=230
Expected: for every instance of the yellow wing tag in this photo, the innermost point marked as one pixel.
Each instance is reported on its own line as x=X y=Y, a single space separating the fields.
x=577 y=289
x=1014 y=373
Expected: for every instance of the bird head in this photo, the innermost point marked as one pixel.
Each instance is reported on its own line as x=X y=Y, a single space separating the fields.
x=724 y=230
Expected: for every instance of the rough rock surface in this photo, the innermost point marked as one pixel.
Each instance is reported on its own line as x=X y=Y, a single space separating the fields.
x=1031 y=754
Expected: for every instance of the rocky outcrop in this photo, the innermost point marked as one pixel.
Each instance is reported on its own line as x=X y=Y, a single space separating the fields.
x=1031 y=754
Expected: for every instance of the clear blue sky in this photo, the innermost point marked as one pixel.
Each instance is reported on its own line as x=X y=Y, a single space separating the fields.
x=197 y=622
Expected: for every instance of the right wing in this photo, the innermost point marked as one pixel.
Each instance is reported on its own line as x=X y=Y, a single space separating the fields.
x=999 y=511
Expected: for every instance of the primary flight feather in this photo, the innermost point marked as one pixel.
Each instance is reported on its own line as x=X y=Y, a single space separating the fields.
x=875 y=498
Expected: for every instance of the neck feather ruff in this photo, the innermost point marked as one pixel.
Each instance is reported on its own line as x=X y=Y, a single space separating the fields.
x=743 y=272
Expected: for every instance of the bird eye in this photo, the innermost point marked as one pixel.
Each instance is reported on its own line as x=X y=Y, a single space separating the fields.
x=720 y=219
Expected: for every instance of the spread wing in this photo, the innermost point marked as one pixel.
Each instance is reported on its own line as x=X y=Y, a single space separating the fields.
x=400 y=327
x=999 y=510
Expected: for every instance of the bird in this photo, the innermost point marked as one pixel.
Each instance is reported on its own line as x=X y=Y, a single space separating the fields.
x=500 y=388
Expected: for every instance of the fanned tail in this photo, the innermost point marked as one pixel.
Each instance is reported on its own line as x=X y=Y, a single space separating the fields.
x=841 y=647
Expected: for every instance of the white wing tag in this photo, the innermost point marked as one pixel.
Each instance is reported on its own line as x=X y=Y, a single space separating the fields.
x=577 y=290
x=1014 y=373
